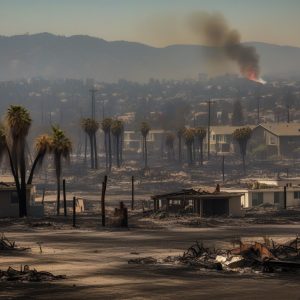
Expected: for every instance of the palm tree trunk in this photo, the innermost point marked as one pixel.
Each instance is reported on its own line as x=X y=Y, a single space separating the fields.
x=85 y=147
x=179 y=149
x=109 y=151
x=106 y=150
x=146 y=153
x=244 y=163
x=118 y=150
x=35 y=162
x=201 y=152
x=95 y=151
x=23 y=202
x=58 y=176
x=92 y=150
x=121 y=147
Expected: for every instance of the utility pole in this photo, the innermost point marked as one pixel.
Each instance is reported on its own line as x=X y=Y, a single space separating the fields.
x=208 y=130
x=93 y=92
x=258 y=111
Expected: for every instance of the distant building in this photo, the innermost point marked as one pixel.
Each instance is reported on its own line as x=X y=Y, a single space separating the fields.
x=203 y=203
x=133 y=140
x=279 y=139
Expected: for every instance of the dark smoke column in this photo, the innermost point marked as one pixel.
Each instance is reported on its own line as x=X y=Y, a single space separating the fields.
x=215 y=32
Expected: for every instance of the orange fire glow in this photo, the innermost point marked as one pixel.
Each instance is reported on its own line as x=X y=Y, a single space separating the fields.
x=251 y=75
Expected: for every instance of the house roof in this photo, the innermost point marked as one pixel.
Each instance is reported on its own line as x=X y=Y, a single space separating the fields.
x=192 y=193
x=226 y=129
x=282 y=129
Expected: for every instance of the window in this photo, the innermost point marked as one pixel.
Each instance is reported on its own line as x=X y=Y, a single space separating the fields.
x=297 y=195
x=278 y=197
x=257 y=198
x=14 y=198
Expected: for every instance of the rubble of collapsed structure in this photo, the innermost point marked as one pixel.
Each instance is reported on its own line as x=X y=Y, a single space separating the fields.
x=27 y=274
x=246 y=258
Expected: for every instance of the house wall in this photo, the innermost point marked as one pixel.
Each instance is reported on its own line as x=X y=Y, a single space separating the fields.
x=288 y=145
x=235 y=209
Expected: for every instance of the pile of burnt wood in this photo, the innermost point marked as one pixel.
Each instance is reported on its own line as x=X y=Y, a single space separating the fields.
x=247 y=257
x=7 y=245
x=27 y=274
x=266 y=257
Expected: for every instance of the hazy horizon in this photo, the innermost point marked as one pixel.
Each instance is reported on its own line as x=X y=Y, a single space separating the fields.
x=155 y=23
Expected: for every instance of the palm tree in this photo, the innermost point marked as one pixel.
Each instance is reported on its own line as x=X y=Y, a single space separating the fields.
x=242 y=136
x=116 y=130
x=91 y=127
x=200 y=134
x=61 y=147
x=145 y=128
x=18 y=122
x=42 y=146
x=189 y=140
x=170 y=138
x=106 y=127
x=179 y=135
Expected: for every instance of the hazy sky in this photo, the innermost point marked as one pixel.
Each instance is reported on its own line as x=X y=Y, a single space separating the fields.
x=154 y=22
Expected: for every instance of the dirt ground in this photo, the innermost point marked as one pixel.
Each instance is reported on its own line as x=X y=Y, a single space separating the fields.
x=95 y=260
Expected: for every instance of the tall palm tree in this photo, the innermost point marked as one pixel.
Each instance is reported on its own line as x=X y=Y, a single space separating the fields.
x=170 y=138
x=18 y=122
x=200 y=134
x=189 y=140
x=42 y=146
x=91 y=127
x=242 y=136
x=116 y=130
x=145 y=128
x=106 y=127
x=61 y=147
x=180 y=132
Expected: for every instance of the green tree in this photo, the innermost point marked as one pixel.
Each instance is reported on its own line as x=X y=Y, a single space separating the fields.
x=200 y=134
x=116 y=130
x=106 y=127
x=189 y=135
x=145 y=128
x=242 y=136
x=91 y=127
x=60 y=147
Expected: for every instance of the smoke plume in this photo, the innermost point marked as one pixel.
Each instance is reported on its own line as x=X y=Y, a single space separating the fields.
x=214 y=31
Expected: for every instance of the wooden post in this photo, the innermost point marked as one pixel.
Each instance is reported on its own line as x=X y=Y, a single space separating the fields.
x=132 y=192
x=284 y=197
x=223 y=168
x=104 y=183
x=43 y=196
x=65 y=198
x=74 y=211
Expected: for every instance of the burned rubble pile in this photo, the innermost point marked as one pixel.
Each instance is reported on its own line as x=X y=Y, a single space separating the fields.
x=247 y=258
x=6 y=245
x=26 y=274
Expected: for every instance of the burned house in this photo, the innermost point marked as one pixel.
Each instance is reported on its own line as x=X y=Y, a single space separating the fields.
x=9 y=201
x=201 y=202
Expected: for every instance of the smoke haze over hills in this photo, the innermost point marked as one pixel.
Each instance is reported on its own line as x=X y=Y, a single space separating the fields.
x=50 y=56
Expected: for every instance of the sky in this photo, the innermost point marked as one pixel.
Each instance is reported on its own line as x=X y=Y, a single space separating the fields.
x=154 y=22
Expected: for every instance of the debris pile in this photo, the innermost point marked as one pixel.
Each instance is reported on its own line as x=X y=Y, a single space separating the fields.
x=6 y=245
x=247 y=258
x=26 y=274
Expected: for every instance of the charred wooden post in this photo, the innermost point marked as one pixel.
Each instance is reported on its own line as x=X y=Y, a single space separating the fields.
x=284 y=197
x=132 y=192
x=65 y=197
x=104 y=183
x=223 y=168
x=74 y=211
x=43 y=195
